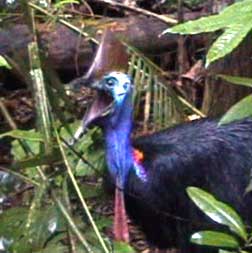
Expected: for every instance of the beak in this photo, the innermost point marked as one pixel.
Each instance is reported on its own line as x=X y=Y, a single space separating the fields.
x=102 y=104
x=84 y=81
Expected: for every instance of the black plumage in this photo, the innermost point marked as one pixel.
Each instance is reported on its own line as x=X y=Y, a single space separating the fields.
x=215 y=158
x=201 y=153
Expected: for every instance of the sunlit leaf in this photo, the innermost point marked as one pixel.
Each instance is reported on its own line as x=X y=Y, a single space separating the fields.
x=229 y=40
x=44 y=121
x=29 y=135
x=217 y=211
x=64 y=2
x=240 y=110
x=235 y=20
x=217 y=239
x=4 y=63
x=204 y=24
x=226 y=251
x=19 y=152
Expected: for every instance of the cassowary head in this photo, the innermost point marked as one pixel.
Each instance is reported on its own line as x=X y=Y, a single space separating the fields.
x=113 y=93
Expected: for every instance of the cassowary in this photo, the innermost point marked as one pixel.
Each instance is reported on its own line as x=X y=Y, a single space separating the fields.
x=152 y=172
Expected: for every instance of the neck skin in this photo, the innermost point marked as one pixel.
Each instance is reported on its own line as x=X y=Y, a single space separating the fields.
x=118 y=143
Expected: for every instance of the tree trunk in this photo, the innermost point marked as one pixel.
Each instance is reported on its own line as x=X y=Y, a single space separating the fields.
x=219 y=95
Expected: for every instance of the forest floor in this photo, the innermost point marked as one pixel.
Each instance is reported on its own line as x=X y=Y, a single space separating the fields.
x=20 y=106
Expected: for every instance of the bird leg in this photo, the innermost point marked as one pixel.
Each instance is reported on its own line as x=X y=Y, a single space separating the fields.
x=121 y=229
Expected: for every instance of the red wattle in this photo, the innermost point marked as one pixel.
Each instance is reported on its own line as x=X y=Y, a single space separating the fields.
x=121 y=229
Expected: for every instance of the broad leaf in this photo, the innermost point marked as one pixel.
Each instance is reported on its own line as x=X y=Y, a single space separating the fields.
x=217 y=239
x=240 y=110
x=29 y=135
x=91 y=190
x=217 y=211
x=19 y=152
x=229 y=40
x=38 y=160
x=201 y=25
x=227 y=251
x=245 y=81
x=4 y=63
x=228 y=17
x=235 y=20
x=46 y=222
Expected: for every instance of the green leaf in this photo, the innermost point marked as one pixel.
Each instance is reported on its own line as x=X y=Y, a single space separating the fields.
x=229 y=40
x=46 y=222
x=55 y=248
x=122 y=247
x=217 y=239
x=245 y=81
x=204 y=24
x=91 y=190
x=230 y=16
x=240 y=110
x=38 y=160
x=104 y=222
x=56 y=244
x=227 y=251
x=29 y=135
x=4 y=63
x=18 y=151
x=42 y=105
x=12 y=222
x=217 y=211
x=95 y=157
x=64 y=2
x=235 y=20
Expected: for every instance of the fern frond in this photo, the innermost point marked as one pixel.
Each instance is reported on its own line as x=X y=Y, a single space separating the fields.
x=156 y=104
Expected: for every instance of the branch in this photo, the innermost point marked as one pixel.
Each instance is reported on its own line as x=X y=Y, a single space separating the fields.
x=163 y=18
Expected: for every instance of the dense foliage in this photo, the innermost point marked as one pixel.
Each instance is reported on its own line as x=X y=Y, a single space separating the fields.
x=58 y=183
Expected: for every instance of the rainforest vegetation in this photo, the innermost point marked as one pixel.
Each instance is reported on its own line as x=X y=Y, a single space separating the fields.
x=188 y=59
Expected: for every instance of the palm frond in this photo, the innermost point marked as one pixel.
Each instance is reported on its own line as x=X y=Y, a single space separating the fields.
x=156 y=104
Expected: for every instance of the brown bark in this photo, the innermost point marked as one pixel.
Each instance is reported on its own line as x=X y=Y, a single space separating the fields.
x=219 y=95
x=66 y=50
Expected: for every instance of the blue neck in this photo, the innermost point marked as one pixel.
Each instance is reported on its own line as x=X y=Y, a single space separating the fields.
x=118 y=143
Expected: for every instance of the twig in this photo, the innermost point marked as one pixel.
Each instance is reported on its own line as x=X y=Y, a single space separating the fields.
x=71 y=223
x=165 y=19
x=62 y=21
x=77 y=189
x=201 y=114
x=69 y=209
x=16 y=174
x=88 y=7
x=79 y=155
x=6 y=115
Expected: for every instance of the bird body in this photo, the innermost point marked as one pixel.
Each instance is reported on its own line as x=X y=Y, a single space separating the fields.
x=199 y=153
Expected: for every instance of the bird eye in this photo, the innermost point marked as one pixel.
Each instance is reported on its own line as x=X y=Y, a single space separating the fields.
x=125 y=86
x=110 y=82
